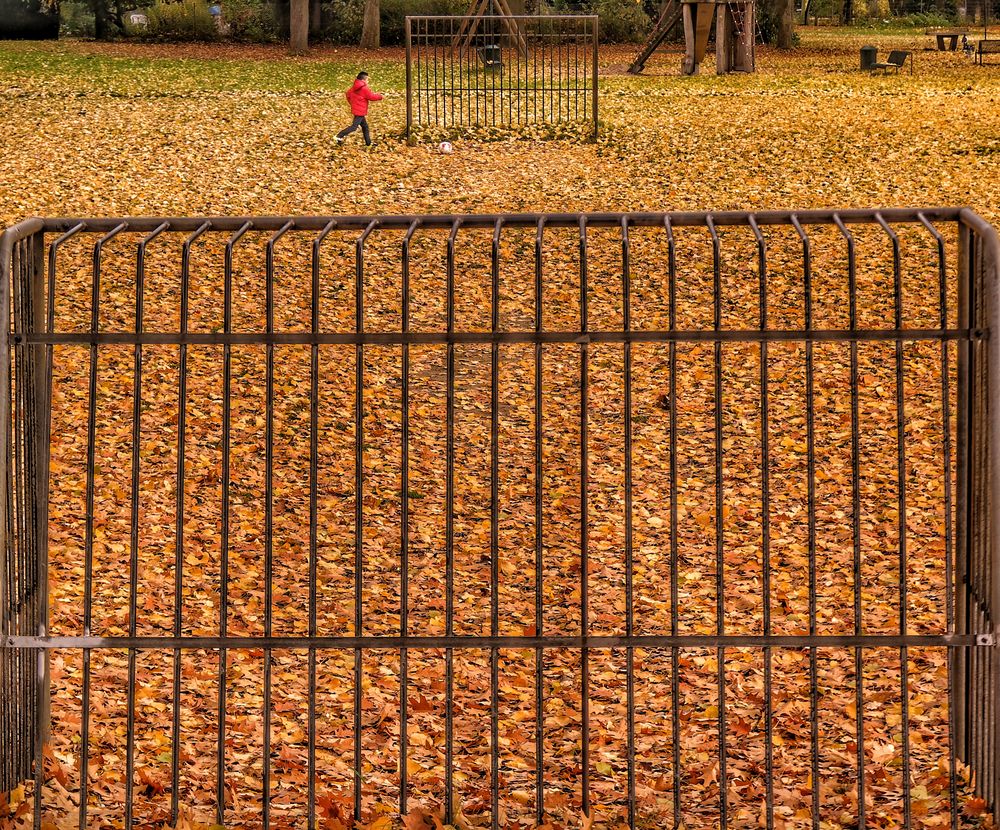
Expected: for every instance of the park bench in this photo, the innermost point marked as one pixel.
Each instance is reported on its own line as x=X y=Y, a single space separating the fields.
x=987 y=47
x=896 y=59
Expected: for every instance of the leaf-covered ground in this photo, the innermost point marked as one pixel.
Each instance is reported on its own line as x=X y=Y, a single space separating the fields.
x=94 y=130
x=138 y=130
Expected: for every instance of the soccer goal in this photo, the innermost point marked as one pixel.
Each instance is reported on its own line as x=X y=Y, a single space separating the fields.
x=500 y=72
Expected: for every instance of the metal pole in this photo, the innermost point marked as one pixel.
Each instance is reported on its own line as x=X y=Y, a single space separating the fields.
x=10 y=761
x=38 y=435
x=409 y=84
x=597 y=25
x=959 y=687
x=989 y=264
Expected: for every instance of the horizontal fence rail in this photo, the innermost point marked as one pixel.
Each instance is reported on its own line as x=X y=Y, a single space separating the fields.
x=675 y=518
x=501 y=71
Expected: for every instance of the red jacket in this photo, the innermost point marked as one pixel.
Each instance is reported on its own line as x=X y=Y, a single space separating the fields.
x=359 y=95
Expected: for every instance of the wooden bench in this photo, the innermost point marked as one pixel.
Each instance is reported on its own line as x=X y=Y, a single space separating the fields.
x=947 y=39
x=895 y=61
x=987 y=47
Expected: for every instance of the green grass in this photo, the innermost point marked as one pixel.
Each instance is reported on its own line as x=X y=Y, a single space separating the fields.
x=66 y=66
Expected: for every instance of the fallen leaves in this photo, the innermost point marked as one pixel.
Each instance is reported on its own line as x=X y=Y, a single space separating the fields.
x=804 y=131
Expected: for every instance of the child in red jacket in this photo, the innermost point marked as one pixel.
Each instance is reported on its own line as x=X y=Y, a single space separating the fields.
x=359 y=95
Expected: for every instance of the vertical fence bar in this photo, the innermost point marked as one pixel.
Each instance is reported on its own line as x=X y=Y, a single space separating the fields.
x=24 y=496
x=420 y=83
x=359 y=508
x=449 y=654
x=227 y=410
x=901 y=507
x=811 y=519
x=948 y=506
x=991 y=278
x=594 y=72
x=539 y=544
x=43 y=663
x=989 y=320
x=268 y=514
x=408 y=23
x=765 y=512
x=175 y=729
x=856 y=518
x=983 y=531
x=12 y=701
x=437 y=81
x=404 y=521
x=133 y=580
x=966 y=434
x=976 y=517
x=629 y=608
x=449 y=118
x=37 y=450
x=9 y=726
x=494 y=528
x=88 y=577
x=314 y=326
x=720 y=583
x=584 y=527
x=39 y=426
x=27 y=390
x=17 y=583
x=15 y=700
x=15 y=564
x=675 y=718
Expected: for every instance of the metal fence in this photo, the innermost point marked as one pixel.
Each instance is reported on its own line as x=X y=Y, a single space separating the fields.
x=676 y=518
x=501 y=71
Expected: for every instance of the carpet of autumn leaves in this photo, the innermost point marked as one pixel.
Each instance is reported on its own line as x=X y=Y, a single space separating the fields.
x=97 y=130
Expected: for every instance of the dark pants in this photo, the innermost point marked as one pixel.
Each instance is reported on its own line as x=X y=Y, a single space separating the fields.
x=359 y=121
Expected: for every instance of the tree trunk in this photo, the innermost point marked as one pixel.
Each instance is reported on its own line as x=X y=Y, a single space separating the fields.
x=784 y=14
x=298 y=27
x=370 y=34
x=101 y=29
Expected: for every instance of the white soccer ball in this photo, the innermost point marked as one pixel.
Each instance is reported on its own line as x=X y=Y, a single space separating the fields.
x=445 y=147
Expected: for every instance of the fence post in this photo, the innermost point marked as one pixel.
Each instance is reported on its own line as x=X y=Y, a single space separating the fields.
x=597 y=32
x=597 y=39
x=10 y=759
x=988 y=263
x=38 y=436
x=960 y=663
x=409 y=83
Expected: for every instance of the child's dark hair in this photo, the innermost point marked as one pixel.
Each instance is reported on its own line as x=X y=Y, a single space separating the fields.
x=362 y=76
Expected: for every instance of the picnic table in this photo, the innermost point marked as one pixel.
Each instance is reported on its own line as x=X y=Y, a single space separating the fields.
x=947 y=39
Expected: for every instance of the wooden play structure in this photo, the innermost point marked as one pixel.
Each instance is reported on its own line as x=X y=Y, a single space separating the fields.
x=735 y=26
x=494 y=10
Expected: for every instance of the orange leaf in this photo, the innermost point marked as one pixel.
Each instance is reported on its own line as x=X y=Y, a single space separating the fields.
x=975 y=807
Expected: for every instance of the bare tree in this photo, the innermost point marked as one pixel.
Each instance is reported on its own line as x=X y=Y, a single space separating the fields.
x=370 y=34
x=298 y=26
